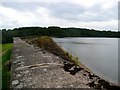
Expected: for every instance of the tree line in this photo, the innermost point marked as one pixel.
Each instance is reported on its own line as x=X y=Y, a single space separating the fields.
x=53 y=31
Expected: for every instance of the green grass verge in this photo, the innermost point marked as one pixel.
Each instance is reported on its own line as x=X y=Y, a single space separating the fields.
x=6 y=46
x=5 y=78
x=5 y=53
x=4 y=58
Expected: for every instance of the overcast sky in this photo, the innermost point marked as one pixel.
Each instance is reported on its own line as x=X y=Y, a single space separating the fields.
x=94 y=14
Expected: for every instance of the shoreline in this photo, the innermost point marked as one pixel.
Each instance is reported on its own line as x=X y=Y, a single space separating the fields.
x=80 y=64
x=88 y=70
x=92 y=70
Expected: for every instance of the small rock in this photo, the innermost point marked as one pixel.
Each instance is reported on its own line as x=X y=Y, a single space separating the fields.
x=19 y=57
x=18 y=75
x=71 y=85
x=20 y=86
x=72 y=68
x=44 y=70
x=58 y=86
x=48 y=87
x=90 y=76
x=60 y=78
x=25 y=72
x=15 y=82
x=16 y=61
x=91 y=84
x=17 y=50
x=21 y=65
x=104 y=83
x=57 y=57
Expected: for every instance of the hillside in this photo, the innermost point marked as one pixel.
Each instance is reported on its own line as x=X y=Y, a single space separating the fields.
x=7 y=35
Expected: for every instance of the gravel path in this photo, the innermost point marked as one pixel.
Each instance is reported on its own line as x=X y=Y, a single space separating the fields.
x=34 y=68
x=46 y=76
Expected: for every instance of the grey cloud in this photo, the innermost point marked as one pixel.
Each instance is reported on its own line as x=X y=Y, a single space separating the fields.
x=73 y=12
x=103 y=15
x=64 y=11
x=67 y=11
x=22 y=6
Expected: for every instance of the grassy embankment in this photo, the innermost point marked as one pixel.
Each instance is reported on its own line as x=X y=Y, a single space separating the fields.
x=49 y=45
x=5 y=55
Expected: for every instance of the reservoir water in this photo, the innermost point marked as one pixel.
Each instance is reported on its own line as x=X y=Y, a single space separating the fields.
x=100 y=55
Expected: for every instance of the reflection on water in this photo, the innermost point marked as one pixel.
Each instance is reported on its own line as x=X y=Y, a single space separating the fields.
x=99 y=54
